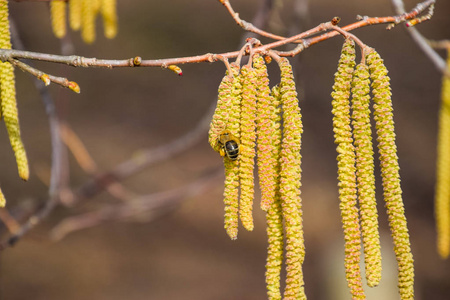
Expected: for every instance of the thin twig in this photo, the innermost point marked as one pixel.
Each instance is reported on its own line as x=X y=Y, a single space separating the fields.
x=438 y=61
x=79 y=151
x=443 y=44
x=247 y=26
x=347 y=35
x=46 y=78
x=9 y=221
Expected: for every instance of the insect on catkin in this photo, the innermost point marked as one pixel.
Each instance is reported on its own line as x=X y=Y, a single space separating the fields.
x=274 y=217
x=226 y=123
x=392 y=192
x=362 y=135
x=58 y=17
x=290 y=173
x=247 y=151
x=8 y=96
x=346 y=168
x=442 y=198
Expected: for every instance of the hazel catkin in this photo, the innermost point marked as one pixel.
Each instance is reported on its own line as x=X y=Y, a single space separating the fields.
x=362 y=135
x=346 y=168
x=8 y=97
x=247 y=147
x=290 y=176
x=387 y=149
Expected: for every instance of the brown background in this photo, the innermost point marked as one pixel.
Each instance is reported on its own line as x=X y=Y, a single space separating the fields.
x=186 y=254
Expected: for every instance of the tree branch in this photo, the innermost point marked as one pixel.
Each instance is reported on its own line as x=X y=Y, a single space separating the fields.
x=438 y=61
x=79 y=61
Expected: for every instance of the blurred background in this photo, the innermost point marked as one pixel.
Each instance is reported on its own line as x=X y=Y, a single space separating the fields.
x=182 y=251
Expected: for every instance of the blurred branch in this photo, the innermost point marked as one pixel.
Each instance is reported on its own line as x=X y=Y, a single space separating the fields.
x=149 y=205
x=146 y=158
x=57 y=164
x=438 y=61
x=87 y=163
x=9 y=220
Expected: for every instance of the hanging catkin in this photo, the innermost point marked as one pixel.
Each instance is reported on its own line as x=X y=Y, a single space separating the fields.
x=442 y=198
x=266 y=127
x=231 y=192
x=392 y=192
x=362 y=135
x=346 y=168
x=75 y=14
x=247 y=147
x=58 y=17
x=88 y=21
x=8 y=96
x=290 y=173
x=109 y=14
x=274 y=216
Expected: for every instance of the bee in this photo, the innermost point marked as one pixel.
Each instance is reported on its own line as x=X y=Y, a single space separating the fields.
x=229 y=145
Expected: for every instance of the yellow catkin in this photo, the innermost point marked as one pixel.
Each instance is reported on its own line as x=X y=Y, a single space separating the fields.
x=96 y=6
x=231 y=192
x=346 y=168
x=247 y=147
x=58 y=17
x=88 y=21
x=75 y=14
x=274 y=217
x=362 y=135
x=220 y=117
x=383 y=115
x=109 y=14
x=265 y=134
x=442 y=197
x=290 y=173
x=8 y=96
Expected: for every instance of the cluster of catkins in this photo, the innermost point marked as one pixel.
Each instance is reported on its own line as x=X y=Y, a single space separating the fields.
x=8 y=107
x=253 y=120
x=353 y=136
x=82 y=14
